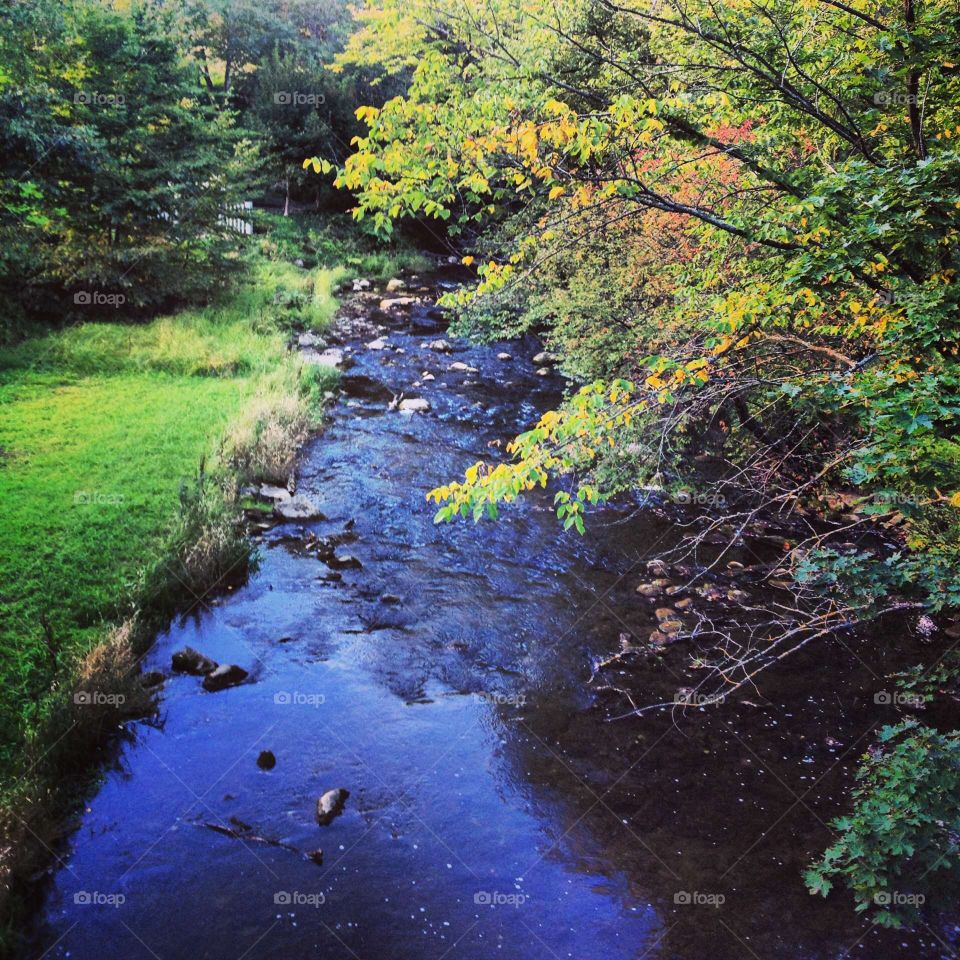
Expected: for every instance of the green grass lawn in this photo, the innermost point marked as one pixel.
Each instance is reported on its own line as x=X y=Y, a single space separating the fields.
x=89 y=479
x=100 y=426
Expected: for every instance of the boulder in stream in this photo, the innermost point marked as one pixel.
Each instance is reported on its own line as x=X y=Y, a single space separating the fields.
x=193 y=662
x=414 y=405
x=226 y=675
x=395 y=284
x=267 y=760
x=330 y=805
x=331 y=357
x=390 y=303
x=297 y=508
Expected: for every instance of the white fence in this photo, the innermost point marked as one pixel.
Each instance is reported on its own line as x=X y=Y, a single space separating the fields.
x=238 y=223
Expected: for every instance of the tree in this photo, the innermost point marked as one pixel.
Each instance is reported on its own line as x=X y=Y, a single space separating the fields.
x=119 y=171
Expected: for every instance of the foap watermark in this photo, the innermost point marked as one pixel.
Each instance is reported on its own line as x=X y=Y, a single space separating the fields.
x=297 y=98
x=97 y=498
x=897 y=898
x=686 y=898
x=890 y=498
x=98 y=298
x=295 y=898
x=494 y=898
x=698 y=498
x=503 y=699
x=690 y=698
x=895 y=698
x=93 y=98
x=97 y=698
x=94 y=898
x=895 y=98
x=296 y=698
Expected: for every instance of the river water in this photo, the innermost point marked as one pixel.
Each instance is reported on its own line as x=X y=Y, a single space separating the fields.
x=493 y=809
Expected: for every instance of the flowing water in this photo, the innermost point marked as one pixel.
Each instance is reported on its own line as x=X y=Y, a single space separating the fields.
x=493 y=809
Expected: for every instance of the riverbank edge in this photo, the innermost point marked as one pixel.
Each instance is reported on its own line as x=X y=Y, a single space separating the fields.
x=206 y=552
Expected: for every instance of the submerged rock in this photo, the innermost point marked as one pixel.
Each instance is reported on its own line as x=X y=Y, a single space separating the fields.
x=267 y=760
x=192 y=661
x=330 y=805
x=226 y=675
x=344 y=561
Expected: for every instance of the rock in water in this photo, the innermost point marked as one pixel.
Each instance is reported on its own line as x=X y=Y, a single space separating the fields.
x=331 y=357
x=226 y=675
x=390 y=303
x=192 y=661
x=330 y=805
x=270 y=492
x=298 y=508
x=267 y=760
x=417 y=405
x=395 y=284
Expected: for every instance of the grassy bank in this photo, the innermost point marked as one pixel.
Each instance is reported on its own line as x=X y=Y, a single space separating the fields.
x=122 y=448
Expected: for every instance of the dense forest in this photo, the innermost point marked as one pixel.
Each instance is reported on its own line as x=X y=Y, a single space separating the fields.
x=731 y=231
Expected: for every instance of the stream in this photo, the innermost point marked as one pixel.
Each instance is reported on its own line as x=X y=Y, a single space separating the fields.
x=443 y=679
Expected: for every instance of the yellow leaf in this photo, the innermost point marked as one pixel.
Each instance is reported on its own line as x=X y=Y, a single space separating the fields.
x=557 y=192
x=467 y=261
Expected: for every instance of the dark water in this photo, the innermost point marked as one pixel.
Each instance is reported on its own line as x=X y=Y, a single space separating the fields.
x=493 y=809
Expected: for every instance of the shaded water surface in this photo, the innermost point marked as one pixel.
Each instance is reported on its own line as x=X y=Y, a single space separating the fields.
x=493 y=809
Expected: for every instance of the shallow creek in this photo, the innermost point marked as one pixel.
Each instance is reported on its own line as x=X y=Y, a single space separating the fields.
x=493 y=809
